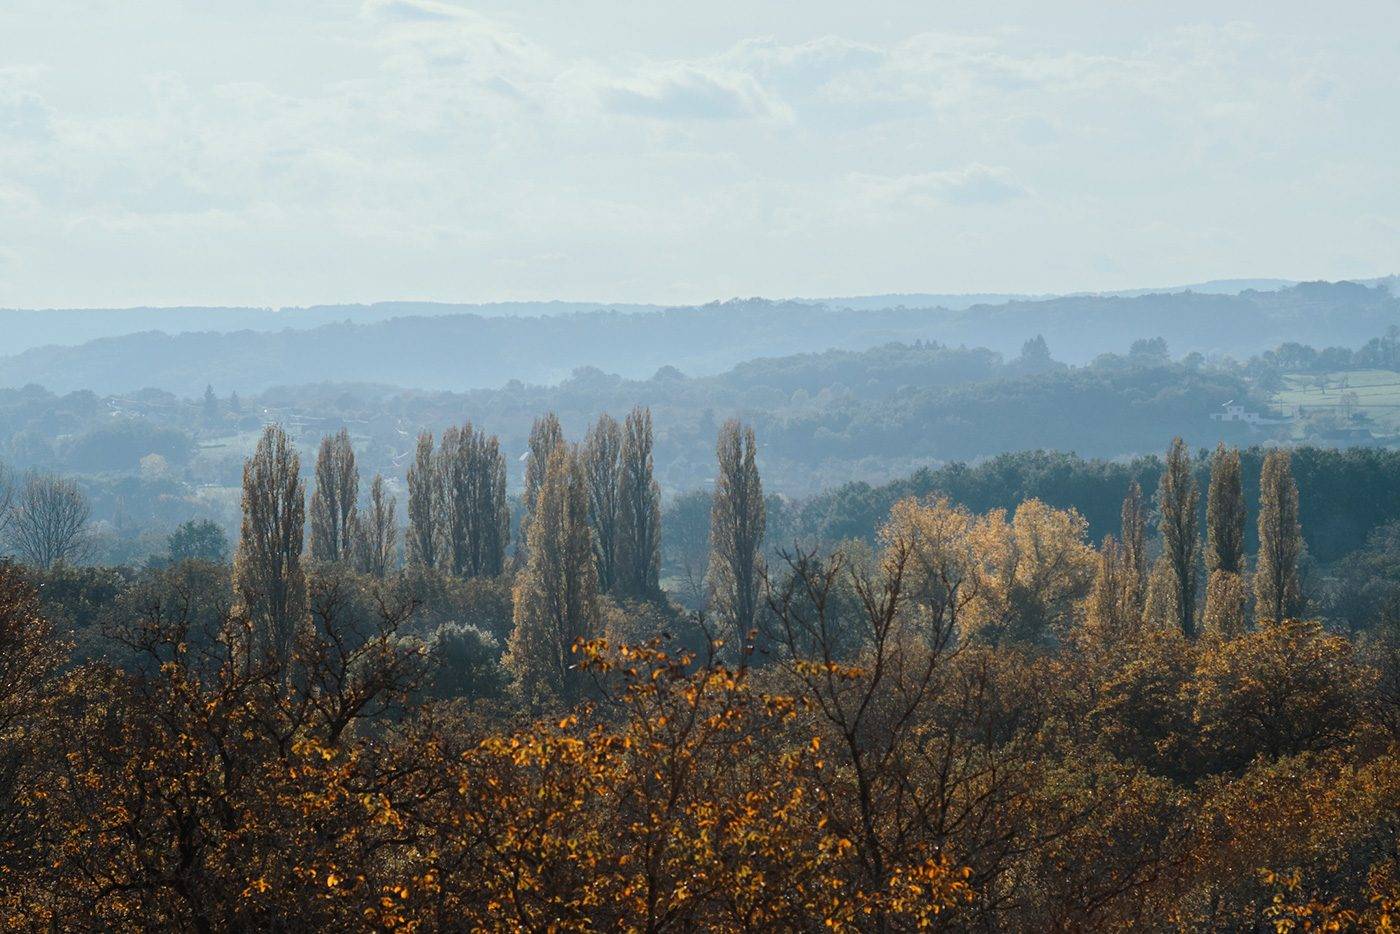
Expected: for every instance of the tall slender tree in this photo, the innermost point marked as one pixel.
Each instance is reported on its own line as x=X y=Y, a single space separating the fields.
x=1134 y=545
x=737 y=521
x=490 y=511
x=639 y=511
x=1225 y=513
x=1277 y=591
x=1224 y=556
x=602 y=459
x=545 y=435
x=474 y=518
x=1112 y=613
x=333 y=503
x=267 y=567
x=556 y=595
x=1178 y=499
x=424 y=506
x=454 y=501
x=378 y=536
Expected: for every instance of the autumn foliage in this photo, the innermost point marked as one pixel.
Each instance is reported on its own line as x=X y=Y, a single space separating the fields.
x=979 y=724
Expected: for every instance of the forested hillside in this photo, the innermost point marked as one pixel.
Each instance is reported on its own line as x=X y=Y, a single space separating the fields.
x=978 y=718
x=470 y=351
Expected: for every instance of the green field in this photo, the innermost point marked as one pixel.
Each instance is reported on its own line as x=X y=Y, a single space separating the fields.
x=1365 y=398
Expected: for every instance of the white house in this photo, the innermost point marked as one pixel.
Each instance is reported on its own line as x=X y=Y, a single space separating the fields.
x=1236 y=412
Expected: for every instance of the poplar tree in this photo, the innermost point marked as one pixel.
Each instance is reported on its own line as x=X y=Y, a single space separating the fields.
x=489 y=510
x=474 y=517
x=1178 y=499
x=1134 y=545
x=545 y=435
x=639 y=511
x=1225 y=513
x=1112 y=611
x=378 y=538
x=421 y=543
x=1224 y=555
x=333 y=503
x=736 y=536
x=602 y=457
x=453 y=503
x=267 y=567
x=1277 y=592
x=556 y=595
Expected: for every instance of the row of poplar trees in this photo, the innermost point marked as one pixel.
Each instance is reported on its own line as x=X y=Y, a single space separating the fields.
x=591 y=527
x=1169 y=593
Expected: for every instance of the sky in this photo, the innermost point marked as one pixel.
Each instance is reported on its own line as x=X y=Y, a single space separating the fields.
x=280 y=152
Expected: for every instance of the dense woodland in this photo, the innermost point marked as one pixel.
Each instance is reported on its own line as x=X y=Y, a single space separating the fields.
x=986 y=717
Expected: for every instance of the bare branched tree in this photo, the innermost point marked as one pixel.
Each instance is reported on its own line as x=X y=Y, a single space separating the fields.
x=333 y=504
x=639 y=511
x=378 y=533
x=7 y=500
x=602 y=461
x=424 y=498
x=47 y=521
x=267 y=568
x=737 y=520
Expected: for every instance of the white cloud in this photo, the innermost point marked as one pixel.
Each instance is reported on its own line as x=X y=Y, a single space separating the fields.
x=412 y=11
x=974 y=184
x=439 y=149
x=687 y=92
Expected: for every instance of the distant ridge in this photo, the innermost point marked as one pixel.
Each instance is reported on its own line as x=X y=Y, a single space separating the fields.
x=25 y=328
x=461 y=351
x=958 y=302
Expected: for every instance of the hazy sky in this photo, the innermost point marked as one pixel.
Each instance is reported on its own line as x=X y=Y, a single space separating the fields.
x=296 y=151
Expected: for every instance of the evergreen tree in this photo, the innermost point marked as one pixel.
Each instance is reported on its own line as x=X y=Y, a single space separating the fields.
x=556 y=595
x=1178 y=499
x=737 y=520
x=1277 y=592
x=267 y=567
x=333 y=503
x=639 y=511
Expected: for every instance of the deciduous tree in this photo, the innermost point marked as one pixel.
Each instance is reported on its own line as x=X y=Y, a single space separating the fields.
x=1178 y=499
x=424 y=506
x=546 y=434
x=737 y=520
x=48 y=521
x=1277 y=593
x=602 y=460
x=267 y=567
x=556 y=595
x=334 y=501
x=639 y=511
x=377 y=547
